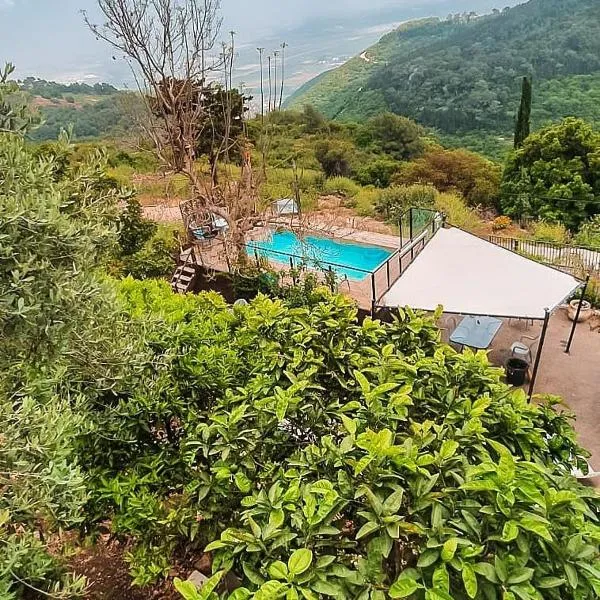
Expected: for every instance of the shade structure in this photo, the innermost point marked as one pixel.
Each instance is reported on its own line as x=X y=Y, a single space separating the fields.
x=468 y=275
x=285 y=206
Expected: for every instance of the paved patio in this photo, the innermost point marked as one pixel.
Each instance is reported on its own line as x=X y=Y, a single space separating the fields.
x=575 y=377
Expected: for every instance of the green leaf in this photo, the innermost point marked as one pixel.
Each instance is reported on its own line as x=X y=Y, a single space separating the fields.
x=469 y=580
x=440 y=578
x=486 y=570
x=510 y=531
x=186 y=588
x=437 y=594
x=501 y=569
x=276 y=518
x=428 y=558
x=240 y=594
x=403 y=588
x=572 y=576
x=365 y=386
x=449 y=549
x=300 y=561
x=520 y=575
x=448 y=449
x=367 y=529
x=252 y=575
x=393 y=502
x=549 y=582
x=242 y=482
x=216 y=545
x=349 y=424
x=326 y=588
x=256 y=531
x=281 y=408
x=278 y=570
x=536 y=527
x=210 y=585
x=271 y=590
x=362 y=464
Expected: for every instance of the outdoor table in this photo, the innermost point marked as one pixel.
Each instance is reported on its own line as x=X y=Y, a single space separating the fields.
x=476 y=332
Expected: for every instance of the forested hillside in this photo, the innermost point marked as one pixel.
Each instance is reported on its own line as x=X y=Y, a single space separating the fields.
x=463 y=73
x=93 y=111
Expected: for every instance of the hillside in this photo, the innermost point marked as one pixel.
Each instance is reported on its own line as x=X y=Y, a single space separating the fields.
x=463 y=73
x=92 y=111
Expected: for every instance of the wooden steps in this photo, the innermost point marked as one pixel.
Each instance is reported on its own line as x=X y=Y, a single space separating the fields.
x=185 y=274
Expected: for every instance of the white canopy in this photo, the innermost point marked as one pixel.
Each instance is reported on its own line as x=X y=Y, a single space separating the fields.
x=285 y=206
x=468 y=275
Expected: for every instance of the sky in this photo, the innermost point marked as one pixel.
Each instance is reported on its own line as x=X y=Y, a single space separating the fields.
x=48 y=39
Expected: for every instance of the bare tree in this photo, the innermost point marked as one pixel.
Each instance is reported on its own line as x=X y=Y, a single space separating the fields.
x=169 y=46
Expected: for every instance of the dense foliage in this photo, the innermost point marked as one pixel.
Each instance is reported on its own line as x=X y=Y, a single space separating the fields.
x=59 y=337
x=102 y=117
x=325 y=458
x=464 y=74
x=51 y=89
x=290 y=446
x=476 y=178
x=555 y=175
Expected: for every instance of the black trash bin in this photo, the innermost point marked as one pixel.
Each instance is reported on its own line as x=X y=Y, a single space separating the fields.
x=516 y=371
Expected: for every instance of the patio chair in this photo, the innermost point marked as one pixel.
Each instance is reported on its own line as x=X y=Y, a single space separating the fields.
x=523 y=350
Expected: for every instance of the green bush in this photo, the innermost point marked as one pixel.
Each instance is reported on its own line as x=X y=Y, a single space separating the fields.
x=396 y=200
x=545 y=231
x=378 y=172
x=457 y=212
x=341 y=185
x=589 y=234
x=318 y=457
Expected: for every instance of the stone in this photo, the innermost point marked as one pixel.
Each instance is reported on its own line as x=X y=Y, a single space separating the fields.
x=197 y=579
x=204 y=564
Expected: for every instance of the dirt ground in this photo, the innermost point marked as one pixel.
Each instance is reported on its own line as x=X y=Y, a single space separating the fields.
x=575 y=377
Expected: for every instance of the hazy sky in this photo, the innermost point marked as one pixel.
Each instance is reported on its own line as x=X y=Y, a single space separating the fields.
x=47 y=38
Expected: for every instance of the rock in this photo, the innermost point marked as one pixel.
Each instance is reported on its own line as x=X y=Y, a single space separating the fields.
x=230 y=583
x=197 y=579
x=204 y=564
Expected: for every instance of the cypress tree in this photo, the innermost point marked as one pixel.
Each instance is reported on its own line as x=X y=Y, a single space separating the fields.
x=522 y=128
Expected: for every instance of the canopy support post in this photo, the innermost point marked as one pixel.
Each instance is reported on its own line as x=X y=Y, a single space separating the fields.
x=572 y=334
x=539 y=353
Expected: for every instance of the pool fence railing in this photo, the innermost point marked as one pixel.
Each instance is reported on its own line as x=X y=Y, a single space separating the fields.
x=383 y=277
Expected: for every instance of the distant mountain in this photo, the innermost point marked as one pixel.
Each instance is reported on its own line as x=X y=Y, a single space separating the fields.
x=463 y=73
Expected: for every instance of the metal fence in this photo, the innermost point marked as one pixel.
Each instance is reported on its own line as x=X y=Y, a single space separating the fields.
x=576 y=260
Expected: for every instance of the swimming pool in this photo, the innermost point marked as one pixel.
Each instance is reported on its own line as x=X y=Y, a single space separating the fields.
x=320 y=251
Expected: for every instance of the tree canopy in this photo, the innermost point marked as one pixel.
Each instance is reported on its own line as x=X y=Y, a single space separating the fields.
x=555 y=175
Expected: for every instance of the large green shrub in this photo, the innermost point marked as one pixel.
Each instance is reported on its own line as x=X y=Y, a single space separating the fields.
x=322 y=458
x=555 y=174
x=393 y=202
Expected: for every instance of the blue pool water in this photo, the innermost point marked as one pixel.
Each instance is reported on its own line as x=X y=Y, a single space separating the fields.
x=319 y=251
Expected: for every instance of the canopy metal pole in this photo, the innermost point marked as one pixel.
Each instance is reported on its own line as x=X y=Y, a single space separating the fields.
x=568 y=348
x=539 y=353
